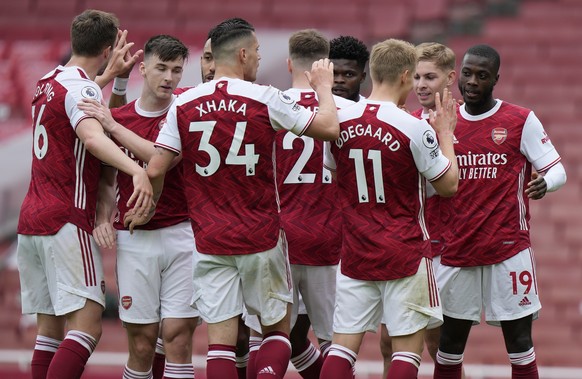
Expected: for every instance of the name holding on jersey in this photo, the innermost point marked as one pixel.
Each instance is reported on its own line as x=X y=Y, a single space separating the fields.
x=360 y=130
x=483 y=165
x=47 y=89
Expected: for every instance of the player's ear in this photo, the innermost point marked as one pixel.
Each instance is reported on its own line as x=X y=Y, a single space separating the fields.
x=107 y=52
x=142 y=69
x=451 y=77
x=289 y=65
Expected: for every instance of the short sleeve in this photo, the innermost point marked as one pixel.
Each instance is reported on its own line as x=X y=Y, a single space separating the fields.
x=285 y=113
x=77 y=90
x=429 y=160
x=169 y=136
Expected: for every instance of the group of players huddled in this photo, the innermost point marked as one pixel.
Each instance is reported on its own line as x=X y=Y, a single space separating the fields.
x=265 y=213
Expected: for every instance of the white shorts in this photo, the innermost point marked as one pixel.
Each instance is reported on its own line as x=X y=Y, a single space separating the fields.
x=260 y=281
x=406 y=305
x=316 y=286
x=507 y=290
x=436 y=262
x=154 y=274
x=58 y=273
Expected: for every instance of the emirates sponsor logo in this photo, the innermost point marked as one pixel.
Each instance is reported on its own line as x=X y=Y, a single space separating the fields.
x=524 y=302
x=126 y=302
x=499 y=135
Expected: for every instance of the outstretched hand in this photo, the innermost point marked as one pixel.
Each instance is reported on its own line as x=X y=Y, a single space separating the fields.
x=121 y=62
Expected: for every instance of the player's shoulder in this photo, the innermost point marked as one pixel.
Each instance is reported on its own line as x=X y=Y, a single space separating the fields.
x=124 y=110
x=510 y=108
x=342 y=102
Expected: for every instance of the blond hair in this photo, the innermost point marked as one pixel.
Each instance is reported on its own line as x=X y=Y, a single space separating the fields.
x=390 y=59
x=442 y=56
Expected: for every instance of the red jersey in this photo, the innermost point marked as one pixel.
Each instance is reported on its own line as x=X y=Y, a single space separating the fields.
x=171 y=208
x=489 y=215
x=225 y=130
x=310 y=216
x=383 y=157
x=64 y=177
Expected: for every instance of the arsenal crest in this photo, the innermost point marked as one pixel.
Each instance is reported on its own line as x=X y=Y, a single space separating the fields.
x=499 y=135
x=126 y=302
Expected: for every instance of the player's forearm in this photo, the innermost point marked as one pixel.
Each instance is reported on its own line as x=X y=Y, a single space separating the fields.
x=107 y=151
x=555 y=177
x=106 y=204
x=140 y=147
x=325 y=125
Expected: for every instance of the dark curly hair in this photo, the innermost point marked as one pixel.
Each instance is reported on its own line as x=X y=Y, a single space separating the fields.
x=348 y=47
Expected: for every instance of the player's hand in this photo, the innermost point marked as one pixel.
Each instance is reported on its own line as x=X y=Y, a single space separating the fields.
x=131 y=219
x=122 y=60
x=105 y=235
x=537 y=187
x=321 y=75
x=142 y=197
x=93 y=108
x=444 y=118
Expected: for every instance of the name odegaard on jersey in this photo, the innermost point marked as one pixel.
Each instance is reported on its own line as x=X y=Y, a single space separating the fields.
x=361 y=131
x=487 y=163
x=222 y=105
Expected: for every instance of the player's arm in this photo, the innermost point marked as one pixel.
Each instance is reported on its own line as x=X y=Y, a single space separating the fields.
x=104 y=233
x=160 y=163
x=119 y=67
x=91 y=133
x=548 y=181
x=140 y=147
x=444 y=121
x=325 y=124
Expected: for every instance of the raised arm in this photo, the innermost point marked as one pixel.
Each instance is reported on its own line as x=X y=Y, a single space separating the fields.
x=325 y=125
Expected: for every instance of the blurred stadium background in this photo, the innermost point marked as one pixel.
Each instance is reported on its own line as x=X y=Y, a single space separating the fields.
x=540 y=42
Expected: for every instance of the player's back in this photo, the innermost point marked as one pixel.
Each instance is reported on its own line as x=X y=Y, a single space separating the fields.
x=227 y=129
x=308 y=192
x=64 y=174
x=381 y=189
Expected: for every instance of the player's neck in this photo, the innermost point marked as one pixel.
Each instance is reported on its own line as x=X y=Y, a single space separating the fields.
x=300 y=82
x=386 y=92
x=90 y=65
x=150 y=103
x=224 y=71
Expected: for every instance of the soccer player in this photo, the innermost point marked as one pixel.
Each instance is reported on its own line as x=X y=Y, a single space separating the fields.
x=207 y=62
x=487 y=260
x=225 y=130
x=384 y=157
x=61 y=272
x=349 y=56
x=307 y=192
x=435 y=71
x=154 y=266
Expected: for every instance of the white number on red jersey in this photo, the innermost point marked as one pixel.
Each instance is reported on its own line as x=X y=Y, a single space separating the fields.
x=296 y=175
x=40 y=141
x=376 y=157
x=249 y=159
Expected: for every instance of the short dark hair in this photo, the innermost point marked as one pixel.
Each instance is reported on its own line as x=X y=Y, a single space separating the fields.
x=92 y=31
x=348 y=47
x=166 y=47
x=487 y=52
x=227 y=31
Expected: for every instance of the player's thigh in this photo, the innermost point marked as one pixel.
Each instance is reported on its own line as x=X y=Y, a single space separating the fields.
x=34 y=283
x=461 y=292
x=358 y=306
x=139 y=266
x=319 y=297
x=510 y=289
x=177 y=288
x=217 y=287
x=412 y=303
x=73 y=270
x=267 y=283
